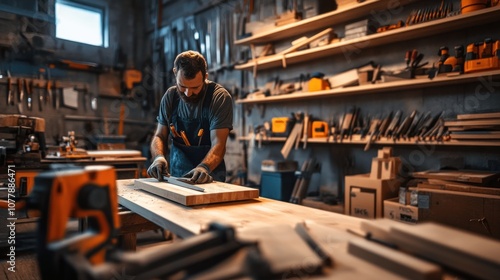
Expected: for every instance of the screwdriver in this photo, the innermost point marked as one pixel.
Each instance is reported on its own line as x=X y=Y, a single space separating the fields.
x=174 y=131
x=184 y=138
x=200 y=135
x=407 y=58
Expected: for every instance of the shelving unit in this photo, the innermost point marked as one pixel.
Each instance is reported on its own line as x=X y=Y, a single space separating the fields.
x=416 y=31
x=345 y=14
x=383 y=141
x=375 y=88
x=341 y=15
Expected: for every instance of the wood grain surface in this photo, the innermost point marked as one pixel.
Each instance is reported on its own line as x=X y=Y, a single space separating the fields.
x=215 y=192
x=186 y=221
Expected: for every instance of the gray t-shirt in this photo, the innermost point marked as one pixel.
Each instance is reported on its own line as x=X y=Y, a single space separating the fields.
x=220 y=110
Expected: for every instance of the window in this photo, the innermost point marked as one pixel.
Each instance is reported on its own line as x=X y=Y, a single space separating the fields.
x=81 y=23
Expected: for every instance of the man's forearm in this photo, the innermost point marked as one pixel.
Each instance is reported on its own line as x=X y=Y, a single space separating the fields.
x=157 y=147
x=215 y=156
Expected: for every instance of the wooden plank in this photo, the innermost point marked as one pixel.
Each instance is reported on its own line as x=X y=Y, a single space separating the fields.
x=215 y=192
x=470 y=176
x=396 y=261
x=466 y=252
x=473 y=135
x=473 y=122
x=114 y=153
x=307 y=41
x=283 y=249
x=454 y=186
x=492 y=115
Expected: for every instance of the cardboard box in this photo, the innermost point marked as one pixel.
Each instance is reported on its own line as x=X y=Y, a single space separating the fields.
x=394 y=210
x=364 y=196
x=363 y=202
x=474 y=212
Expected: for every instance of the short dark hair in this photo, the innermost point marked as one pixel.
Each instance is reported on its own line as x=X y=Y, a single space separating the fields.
x=191 y=62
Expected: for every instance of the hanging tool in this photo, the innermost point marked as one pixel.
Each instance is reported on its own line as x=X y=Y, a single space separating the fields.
x=10 y=92
x=48 y=92
x=57 y=96
x=408 y=58
x=411 y=130
x=346 y=123
x=20 y=90
x=392 y=126
x=404 y=126
x=383 y=126
x=354 y=122
x=85 y=98
x=41 y=93
x=419 y=125
x=374 y=127
x=428 y=125
x=29 y=100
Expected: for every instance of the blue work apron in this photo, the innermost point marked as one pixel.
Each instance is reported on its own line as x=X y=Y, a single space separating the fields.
x=184 y=158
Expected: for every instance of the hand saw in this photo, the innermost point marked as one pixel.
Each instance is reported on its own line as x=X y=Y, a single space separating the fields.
x=183 y=182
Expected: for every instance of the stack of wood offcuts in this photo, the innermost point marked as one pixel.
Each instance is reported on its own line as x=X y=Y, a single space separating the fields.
x=464 y=199
x=482 y=127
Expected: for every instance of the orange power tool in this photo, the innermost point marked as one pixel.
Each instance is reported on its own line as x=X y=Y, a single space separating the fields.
x=74 y=192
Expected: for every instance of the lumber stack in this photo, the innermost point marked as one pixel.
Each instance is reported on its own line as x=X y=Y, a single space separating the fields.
x=475 y=127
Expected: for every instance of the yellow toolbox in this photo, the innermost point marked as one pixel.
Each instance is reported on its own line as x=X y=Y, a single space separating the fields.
x=281 y=126
x=317 y=84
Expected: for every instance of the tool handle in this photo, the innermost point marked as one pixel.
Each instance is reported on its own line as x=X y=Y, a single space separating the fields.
x=184 y=138
x=200 y=136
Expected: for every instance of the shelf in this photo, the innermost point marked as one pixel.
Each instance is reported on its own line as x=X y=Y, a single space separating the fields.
x=375 y=88
x=384 y=141
x=412 y=32
x=341 y=15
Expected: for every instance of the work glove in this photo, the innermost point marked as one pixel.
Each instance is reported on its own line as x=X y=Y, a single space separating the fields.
x=199 y=175
x=158 y=168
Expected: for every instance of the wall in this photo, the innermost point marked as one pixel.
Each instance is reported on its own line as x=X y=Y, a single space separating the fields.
x=338 y=160
x=126 y=33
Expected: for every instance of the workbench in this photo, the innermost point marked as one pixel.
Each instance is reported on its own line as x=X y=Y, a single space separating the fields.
x=253 y=214
x=127 y=163
x=126 y=167
x=186 y=221
x=335 y=234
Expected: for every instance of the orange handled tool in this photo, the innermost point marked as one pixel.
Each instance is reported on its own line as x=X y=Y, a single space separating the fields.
x=184 y=138
x=200 y=135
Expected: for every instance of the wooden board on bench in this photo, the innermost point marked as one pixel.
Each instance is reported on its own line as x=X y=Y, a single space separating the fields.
x=215 y=192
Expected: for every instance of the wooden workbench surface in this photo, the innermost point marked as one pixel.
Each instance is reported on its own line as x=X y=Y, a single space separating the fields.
x=255 y=213
x=266 y=221
x=254 y=216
